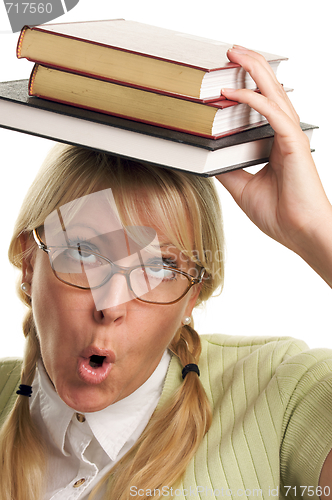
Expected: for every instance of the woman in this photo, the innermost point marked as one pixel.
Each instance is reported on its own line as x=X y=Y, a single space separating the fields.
x=260 y=408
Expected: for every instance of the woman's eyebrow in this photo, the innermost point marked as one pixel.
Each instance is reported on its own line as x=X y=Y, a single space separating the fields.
x=162 y=245
x=77 y=225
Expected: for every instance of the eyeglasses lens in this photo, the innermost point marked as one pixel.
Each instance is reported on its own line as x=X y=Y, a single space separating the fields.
x=158 y=284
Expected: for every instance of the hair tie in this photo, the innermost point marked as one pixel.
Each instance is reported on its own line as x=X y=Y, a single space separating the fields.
x=190 y=368
x=24 y=390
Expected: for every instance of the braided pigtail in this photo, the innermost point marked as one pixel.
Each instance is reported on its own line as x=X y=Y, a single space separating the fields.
x=21 y=451
x=170 y=440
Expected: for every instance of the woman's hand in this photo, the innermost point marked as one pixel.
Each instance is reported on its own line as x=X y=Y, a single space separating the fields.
x=285 y=199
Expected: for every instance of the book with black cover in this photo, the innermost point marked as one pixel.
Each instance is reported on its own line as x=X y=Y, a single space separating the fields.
x=131 y=139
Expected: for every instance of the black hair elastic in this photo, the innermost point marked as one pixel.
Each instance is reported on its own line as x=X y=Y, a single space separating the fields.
x=190 y=368
x=24 y=390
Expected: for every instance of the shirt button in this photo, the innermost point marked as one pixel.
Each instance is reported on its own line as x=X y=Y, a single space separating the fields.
x=79 y=483
x=80 y=417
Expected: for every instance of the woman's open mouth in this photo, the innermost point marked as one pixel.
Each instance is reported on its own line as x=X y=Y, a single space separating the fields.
x=96 y=361
x=94 y=365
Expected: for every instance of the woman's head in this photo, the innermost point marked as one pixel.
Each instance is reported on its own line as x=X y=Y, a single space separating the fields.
x=185 y=207
x=131 y=337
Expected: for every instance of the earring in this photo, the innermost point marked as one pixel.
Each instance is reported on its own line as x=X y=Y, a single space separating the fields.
x=26 y=287
x=186 y=320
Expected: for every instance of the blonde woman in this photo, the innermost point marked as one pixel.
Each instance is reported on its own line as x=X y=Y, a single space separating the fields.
x=117 y=395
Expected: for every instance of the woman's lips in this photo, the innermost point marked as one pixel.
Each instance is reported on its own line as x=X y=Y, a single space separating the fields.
x=92 y=372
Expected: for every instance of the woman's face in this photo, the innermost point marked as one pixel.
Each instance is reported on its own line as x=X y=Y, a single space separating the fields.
x=131 y=335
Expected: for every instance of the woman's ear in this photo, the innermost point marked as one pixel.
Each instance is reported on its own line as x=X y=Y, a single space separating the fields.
x=195 y=291
x=28 y=251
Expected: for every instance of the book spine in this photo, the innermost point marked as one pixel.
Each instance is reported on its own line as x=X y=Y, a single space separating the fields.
x=20 y=41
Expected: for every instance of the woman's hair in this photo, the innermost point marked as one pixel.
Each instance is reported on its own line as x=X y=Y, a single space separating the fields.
x=184 y=207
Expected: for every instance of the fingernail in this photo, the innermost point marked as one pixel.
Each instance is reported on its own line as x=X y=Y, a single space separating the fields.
x=228 y=91
x=240 y=47
x=239 y=50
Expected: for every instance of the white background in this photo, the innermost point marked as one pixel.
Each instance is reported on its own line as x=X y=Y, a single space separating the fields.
x=268 y=290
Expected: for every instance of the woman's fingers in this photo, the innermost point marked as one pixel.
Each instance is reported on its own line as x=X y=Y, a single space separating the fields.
x=273 y=103
x=235 y=182
x=264 y=77
x=279 y=119
x=243 y=50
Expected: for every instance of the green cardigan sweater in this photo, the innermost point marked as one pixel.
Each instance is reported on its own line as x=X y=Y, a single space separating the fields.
x=272 y=418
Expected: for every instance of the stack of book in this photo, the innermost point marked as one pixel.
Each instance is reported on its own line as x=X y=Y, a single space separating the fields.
x=138 y=91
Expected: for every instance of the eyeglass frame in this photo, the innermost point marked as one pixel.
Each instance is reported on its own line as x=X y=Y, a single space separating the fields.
x=124 y=271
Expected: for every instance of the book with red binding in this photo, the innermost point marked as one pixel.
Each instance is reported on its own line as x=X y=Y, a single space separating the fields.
x=138 y=54
x=213 y=119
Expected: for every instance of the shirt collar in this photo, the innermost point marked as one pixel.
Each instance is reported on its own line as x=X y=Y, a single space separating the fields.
x=113 y=426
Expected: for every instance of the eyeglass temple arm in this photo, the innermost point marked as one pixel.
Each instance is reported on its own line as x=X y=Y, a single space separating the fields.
x=39 y=242
x=200 y=277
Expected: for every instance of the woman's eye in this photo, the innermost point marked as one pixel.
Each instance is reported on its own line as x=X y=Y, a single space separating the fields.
x=160 y=273
x=84 y=255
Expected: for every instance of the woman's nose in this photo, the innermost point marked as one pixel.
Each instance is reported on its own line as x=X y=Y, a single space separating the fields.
x=114 y=293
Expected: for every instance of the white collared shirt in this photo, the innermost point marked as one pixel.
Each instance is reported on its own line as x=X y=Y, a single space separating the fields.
x=81 y=449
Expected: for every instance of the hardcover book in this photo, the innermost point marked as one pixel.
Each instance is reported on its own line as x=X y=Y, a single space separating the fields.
x=212 y=119
x=131 y=139
x=138 y=54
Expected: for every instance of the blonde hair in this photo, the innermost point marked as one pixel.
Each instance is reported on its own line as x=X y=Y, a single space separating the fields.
x=186 y=208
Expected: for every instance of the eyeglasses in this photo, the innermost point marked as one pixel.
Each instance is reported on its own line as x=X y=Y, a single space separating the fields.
x=82 y=268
